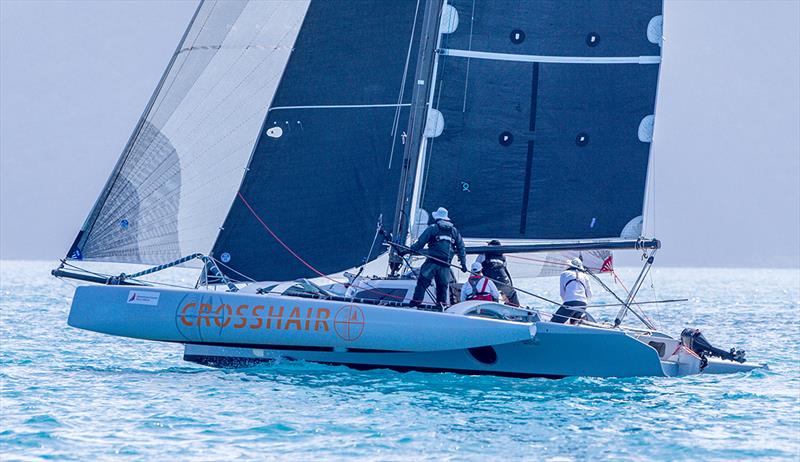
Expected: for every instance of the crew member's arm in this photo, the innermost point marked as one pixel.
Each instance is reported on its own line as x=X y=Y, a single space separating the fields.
x=564 y=278
x=493 y=290
x=466 y=289
x=423 y=239
x=508 y=275
x=462 y=252
x=588 y=289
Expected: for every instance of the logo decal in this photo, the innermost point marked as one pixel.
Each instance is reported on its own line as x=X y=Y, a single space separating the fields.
x=139 y=297
x=349 y=323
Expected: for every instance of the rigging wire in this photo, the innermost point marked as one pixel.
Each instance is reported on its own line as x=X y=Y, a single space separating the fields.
x=298 y=257
x=219 y=262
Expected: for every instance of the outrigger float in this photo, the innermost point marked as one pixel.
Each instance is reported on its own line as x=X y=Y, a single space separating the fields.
x=274 y=139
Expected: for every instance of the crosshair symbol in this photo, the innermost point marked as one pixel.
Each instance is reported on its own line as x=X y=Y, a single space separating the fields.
x=349 y=323
x=465 y=187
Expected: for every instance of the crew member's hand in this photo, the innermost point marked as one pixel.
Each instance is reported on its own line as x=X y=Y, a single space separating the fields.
x=464 y=268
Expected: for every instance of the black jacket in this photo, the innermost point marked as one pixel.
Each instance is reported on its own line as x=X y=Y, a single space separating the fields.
x=494 y=267
x=443 y=241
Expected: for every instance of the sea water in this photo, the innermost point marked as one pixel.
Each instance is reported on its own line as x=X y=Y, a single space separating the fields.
x=76 y=395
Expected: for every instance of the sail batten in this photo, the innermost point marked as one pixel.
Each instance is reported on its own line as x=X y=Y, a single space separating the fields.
x=552 y=59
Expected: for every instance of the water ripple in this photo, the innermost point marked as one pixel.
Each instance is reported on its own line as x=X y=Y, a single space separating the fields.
x=74 y=395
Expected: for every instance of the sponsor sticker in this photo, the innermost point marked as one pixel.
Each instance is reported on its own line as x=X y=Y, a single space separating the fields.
x=140 y=297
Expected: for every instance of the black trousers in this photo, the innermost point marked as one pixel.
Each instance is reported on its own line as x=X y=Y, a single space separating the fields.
x=510 y=293
x=428 y=272
x=566 y=313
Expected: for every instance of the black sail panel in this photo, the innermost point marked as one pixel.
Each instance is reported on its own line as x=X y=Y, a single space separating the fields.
x=328 y=161
x=538 y=142
x=598 y=28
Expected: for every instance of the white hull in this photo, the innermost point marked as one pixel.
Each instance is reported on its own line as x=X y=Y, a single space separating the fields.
x=231 y=329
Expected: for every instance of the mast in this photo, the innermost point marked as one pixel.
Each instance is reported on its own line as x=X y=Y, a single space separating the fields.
x=416 y=123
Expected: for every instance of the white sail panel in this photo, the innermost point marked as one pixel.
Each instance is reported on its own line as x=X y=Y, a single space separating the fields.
x=179 y=173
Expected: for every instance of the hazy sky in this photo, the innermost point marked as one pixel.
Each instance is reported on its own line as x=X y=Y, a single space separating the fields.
x=75 y=76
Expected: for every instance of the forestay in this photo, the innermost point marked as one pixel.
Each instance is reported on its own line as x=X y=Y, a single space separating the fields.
x=548 y=110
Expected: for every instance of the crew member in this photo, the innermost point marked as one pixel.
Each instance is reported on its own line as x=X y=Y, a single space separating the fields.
x=443 y=241
x=494 y=267
x=575 y=293
x=479 y=287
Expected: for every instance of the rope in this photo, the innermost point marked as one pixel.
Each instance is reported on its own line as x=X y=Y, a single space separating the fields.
x=219 y=262
x=409 y=249
x=374 y=240
x=619 y=279
x=161 y=267
x=300 y=259
x=278 y=239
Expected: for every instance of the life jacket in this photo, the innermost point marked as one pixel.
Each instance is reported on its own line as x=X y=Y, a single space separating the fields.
x=442 y=244
x=494 y=266
x=575 y=279
x=481 y=294
x=444 y=233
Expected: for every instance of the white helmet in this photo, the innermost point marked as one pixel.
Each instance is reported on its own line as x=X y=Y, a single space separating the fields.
x=476 y=267
x=576 y=263
x=440 y=214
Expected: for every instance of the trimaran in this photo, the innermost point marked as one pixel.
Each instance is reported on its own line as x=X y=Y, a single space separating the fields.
x=282 y=131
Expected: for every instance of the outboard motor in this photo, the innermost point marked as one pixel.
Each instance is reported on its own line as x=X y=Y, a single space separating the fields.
x=694 y=340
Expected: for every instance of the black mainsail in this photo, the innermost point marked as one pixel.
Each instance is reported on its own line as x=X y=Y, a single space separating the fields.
x=548 y=116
